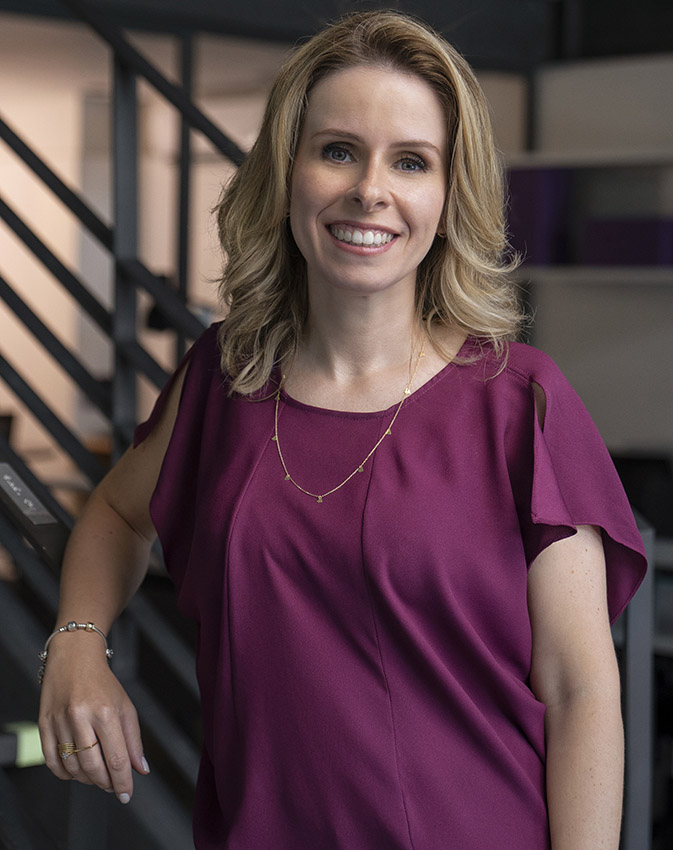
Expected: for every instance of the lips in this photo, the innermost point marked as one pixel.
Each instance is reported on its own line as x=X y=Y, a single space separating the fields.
x=360 y=236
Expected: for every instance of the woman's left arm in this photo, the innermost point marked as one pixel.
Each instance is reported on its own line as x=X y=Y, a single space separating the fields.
x=574 y=673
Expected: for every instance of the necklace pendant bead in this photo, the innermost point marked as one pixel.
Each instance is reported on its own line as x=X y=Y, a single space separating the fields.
x=287 y=477
x=407 y=391
x=388 y=433
x=319 y=500
x=360 y=469
x=274 y=439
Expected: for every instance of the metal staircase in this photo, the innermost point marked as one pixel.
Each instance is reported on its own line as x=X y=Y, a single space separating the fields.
x=153 y=657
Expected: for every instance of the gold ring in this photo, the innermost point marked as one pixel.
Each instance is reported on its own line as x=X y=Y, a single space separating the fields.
x=68 y=749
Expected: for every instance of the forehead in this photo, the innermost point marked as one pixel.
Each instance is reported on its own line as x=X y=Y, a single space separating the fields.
x=379 y=100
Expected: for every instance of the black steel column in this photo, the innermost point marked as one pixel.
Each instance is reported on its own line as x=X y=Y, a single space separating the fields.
x=639 y=706
x=182 y=241
x=125 y=189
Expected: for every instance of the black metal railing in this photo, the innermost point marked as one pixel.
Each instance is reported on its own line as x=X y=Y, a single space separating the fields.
x=28 y=606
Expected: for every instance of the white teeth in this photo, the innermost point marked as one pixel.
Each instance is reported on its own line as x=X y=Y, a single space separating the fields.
x=361 y=237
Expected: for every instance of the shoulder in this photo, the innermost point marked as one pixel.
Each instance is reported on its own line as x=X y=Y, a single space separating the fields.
x=202 y=362
x=520 y=379
x=198 y=368
x=520 y=365
x=532 y=365
x=208 y=344
x=541 y=374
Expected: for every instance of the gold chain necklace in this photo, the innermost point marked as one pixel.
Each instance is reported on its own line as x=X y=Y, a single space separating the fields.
x=320 y=496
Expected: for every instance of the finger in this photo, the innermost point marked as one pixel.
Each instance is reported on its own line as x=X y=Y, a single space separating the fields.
x=117 y=761
x=134 y=743
x=50 y=750
x=70 y=763
x=90 y=759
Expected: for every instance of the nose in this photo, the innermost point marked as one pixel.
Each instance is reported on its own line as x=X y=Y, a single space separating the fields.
x=370 y=189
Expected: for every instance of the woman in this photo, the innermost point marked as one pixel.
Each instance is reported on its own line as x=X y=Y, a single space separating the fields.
x=401 y=536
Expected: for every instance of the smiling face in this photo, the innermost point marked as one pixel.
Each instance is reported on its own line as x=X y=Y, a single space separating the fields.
x=369 y=180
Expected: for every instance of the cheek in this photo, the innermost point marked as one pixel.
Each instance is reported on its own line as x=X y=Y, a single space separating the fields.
x=435 y=208
x=423 y=206
x=298 y=206
x=304 y=197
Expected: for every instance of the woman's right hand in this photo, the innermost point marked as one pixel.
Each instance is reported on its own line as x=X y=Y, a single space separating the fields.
x=83 y=702
x=104 y=564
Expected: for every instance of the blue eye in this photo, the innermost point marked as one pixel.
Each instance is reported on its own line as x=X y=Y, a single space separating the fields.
x=337 y=153
x=412 y=164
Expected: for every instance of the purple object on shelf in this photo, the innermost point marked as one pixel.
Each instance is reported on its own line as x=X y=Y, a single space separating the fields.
x=539 y=214
x=630 y=242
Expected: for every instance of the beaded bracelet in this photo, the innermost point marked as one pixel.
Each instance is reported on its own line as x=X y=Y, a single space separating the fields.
x=72 y=626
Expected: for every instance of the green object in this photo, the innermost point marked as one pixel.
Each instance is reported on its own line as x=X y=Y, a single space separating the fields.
x=28 y=746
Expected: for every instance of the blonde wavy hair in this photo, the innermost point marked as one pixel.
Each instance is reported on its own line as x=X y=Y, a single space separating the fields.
x=462 y=281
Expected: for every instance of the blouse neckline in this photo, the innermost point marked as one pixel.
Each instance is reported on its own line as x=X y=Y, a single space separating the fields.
x=463 y=351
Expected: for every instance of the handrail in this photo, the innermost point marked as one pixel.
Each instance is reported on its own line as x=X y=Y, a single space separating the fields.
x=136 y=62
x=8 y=454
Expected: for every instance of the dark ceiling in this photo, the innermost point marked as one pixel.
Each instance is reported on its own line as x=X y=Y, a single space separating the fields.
x=502 y=34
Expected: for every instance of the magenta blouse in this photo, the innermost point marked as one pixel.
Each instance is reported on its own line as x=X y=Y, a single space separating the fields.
x=364 y=662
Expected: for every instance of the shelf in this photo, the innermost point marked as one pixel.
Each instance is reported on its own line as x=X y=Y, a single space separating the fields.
x=655 y=157
x=595 y=275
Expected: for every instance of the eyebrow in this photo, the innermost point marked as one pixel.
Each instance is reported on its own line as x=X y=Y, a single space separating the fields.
x=407 y=143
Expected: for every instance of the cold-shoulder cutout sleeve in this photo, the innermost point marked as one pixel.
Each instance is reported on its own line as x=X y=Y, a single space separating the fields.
x=144 y=429
x=575 y=483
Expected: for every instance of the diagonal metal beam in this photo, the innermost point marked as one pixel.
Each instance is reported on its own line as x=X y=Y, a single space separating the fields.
x=144 y=362
x=51 y=262
x=42 y=582
x=71 y=199
x=8 y=455
x=166 y=298
x=135 y=61
x=95 y=391
x=84 y=459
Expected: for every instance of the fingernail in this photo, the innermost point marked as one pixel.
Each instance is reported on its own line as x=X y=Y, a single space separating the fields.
x=146 y=766
x=109 y=790
x=124 y=798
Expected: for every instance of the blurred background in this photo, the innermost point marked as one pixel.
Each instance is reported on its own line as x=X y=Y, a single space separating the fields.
x=119 y=122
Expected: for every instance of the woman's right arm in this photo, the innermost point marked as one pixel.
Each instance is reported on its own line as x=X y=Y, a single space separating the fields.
x=104 y=564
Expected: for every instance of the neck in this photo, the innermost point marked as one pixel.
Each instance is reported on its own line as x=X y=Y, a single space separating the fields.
x=357 y=337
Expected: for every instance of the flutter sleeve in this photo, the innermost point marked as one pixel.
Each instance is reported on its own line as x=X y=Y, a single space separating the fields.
x=144 y=429
x=174 y=506
x=574 y=482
